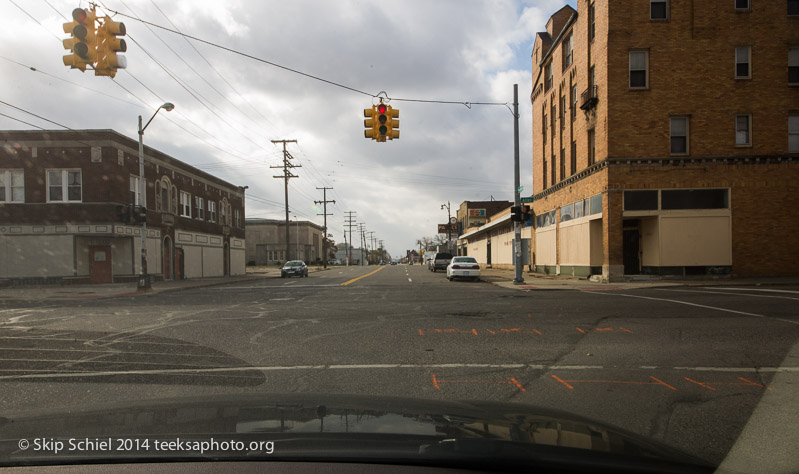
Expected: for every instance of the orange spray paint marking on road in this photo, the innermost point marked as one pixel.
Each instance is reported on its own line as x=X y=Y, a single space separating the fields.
x=627 y=382
x=517 y=384
x=626 y=330
x=511 y=330
x=474 y=331
x=537 y=332
x=492 y=332
x=580 y=330
x=435 y=383
x=563 y=382
x=604 y=329
x=709 y=385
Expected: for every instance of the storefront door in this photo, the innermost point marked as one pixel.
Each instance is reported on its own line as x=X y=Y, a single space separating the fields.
x=100 y=264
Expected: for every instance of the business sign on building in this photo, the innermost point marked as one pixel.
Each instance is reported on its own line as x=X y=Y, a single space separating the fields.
x=446 y=228
x=477 y=212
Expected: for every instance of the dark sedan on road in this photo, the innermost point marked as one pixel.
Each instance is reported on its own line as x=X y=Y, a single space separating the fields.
x=294 y=268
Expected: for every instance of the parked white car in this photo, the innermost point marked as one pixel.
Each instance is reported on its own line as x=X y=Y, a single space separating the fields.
x=463 y=267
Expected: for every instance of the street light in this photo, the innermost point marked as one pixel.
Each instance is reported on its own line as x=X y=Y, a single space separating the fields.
x=449 y=226
x=144 y=278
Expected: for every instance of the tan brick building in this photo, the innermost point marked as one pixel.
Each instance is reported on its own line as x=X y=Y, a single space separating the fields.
x=666 y=138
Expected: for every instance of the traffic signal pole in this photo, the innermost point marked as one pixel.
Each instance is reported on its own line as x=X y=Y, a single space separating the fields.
x=517 y=226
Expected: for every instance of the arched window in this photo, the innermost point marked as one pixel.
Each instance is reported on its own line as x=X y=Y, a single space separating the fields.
x=158 y=199
x=174 y=203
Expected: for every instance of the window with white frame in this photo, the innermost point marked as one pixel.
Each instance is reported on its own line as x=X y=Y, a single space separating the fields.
x=743 y=68
x=64 y=186
x=678 y=134
x=12 y=186
x=212 y=210
x=658 y=10
x=793 y=65
x=200 y=205
x=185 y=204
x=639 y=62
x=742 y=5
x=743 y=127
x=793 y=132
x=135 y=191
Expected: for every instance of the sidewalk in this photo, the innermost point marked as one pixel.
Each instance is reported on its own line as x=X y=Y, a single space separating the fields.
x=536 y=281
x=113 y=290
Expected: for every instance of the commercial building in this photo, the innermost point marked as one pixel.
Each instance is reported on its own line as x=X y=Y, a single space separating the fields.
x=666 y=138
x=65 y=215
x=492 y=242
x=266 y=241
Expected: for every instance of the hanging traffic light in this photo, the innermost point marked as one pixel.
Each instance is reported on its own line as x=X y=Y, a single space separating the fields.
x=108 y=47
x=369 y=123
x=393 y=123
x=382 y=121
x=83 y=43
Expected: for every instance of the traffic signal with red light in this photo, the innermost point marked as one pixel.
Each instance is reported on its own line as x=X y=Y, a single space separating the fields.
x=108 y=47
x=83 y=41
x=382 y=121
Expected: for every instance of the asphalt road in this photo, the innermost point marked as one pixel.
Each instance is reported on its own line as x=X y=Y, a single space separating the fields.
x=713 y=371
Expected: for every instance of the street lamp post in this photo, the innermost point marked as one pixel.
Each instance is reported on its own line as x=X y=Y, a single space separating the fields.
x=297 y=236
x=449 y=226
x=144 y=277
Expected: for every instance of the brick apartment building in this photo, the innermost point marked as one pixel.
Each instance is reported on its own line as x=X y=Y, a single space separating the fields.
x=666 y=138
x=61 y=196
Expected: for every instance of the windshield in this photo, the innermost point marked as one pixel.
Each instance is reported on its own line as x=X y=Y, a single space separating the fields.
x=586 y=208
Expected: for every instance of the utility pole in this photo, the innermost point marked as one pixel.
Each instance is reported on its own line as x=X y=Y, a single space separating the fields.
x=449 y=226
x=287 y=165
x=362 y=230
x=517 y=226
x=372 y=240
x=324 y=202
x=349 y=223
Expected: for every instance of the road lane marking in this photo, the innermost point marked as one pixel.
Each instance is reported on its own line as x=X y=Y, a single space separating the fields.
x=757 y=289
x=694 y=304
x=362 y=276
x=727 y=293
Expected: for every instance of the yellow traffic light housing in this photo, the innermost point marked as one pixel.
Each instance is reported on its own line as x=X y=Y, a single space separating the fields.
x=83 y=41
x=369 y=123
x=393 y=123
x=108 y=47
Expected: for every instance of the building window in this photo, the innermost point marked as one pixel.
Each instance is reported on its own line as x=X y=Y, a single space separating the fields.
x=793 y=65
x=544 y=123
x=742 y=66
x=596 y=204
x=793 y=7
x=640 y=200
x=743 y=126
x=174 y=201
x=185 y=204
x=212 y=211
x=793 y=133
x=164 y=197
x=638 y=69
x=236 y=217
x=574 y=102
x=573 y=158
x=591 y=22
x=562 y=111
x=12 y=186
x=591 y=147
x=135 y=191
x=567 y=52
x=673 y=199
x=64 y=186
x=567 y=213
x=742 y=5
x=678 y=133
x=552 y=119
x=544 y=175
x=200 y=204
x=548 y=76
x=553 y=169
x=658 y=10
x=562 y=164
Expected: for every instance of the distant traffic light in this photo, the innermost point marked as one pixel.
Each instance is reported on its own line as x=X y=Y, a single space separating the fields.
x=83 y=43
x=108 y=47
x=516 y=214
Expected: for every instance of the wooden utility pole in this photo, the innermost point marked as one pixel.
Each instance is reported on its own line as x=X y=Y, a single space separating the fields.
x=349 y=223
x=324 y=202
x=287 y=165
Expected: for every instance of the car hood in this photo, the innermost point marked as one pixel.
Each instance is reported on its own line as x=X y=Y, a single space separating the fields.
x=335 y=427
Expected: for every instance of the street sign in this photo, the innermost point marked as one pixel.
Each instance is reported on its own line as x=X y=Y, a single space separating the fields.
x=444 y=228
x=477 y=212
x=453 y=220
x=527 y=200
x=520 y=189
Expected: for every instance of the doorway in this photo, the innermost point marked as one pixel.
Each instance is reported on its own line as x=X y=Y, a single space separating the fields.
x=226 y=259
x=631 y=246
x=167 y=265
x=488 y=253
x=100 y=264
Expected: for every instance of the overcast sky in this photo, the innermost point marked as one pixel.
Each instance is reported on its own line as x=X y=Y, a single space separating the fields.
x=229 y=107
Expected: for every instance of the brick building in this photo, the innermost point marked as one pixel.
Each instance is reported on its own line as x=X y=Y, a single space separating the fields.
x=266 y=241
x=666 y=138
x=61 y=196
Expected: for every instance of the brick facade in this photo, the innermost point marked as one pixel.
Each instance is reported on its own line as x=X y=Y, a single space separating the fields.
x=690 y=75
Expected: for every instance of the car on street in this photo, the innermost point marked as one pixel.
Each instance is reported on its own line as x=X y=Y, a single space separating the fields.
x=294 y=268
x=440 y=261
x=333 y=262
x=463 y=267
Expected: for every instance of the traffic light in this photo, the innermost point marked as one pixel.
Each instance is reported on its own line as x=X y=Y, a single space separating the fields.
x=369 y=123
x=139 y=214
x=527 y=213
x=83 y=43
x=123 y=214
x=392 y=123
x=108 y=47
x=382 y=121
x=516 y=214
